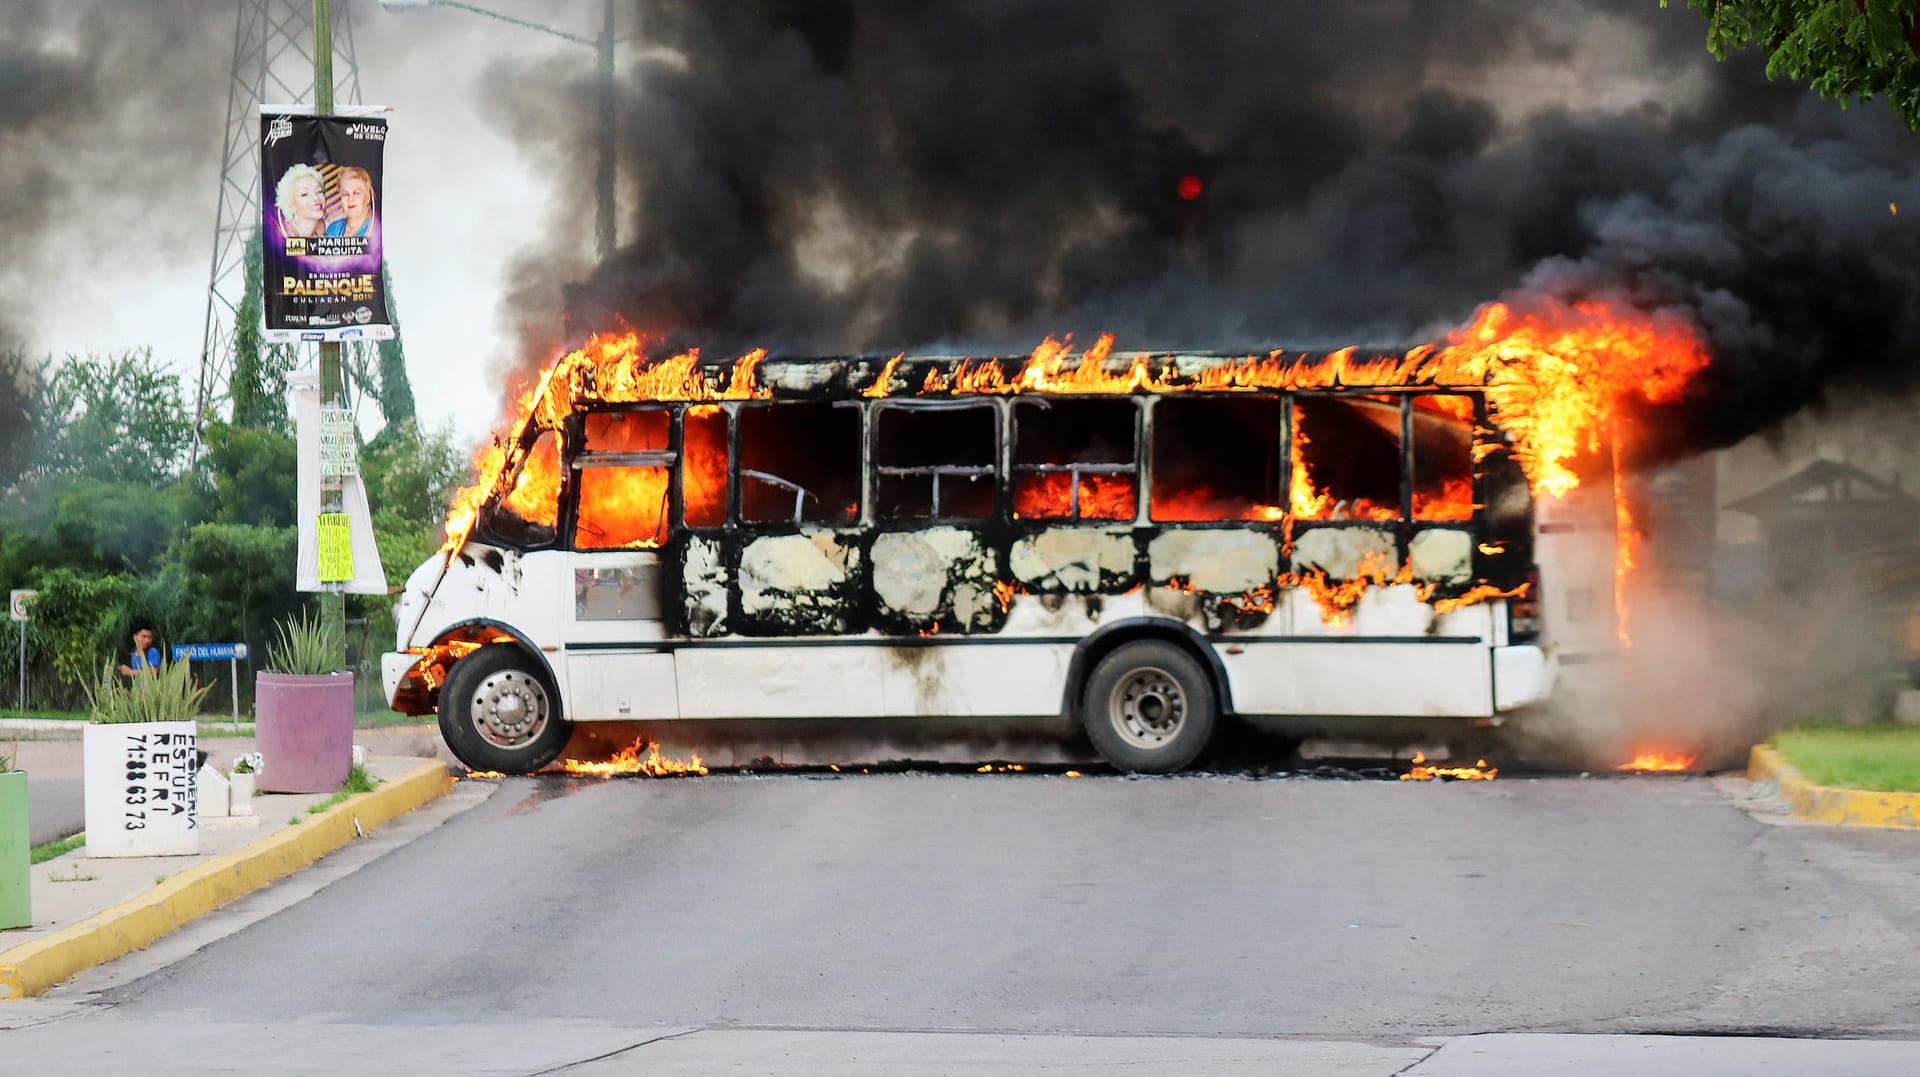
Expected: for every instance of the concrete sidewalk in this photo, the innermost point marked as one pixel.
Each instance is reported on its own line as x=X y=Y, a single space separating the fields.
x=89 y=910
x=50 y=754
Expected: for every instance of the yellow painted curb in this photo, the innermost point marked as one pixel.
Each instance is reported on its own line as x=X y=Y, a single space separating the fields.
x=1827 y=804
x=32 y=967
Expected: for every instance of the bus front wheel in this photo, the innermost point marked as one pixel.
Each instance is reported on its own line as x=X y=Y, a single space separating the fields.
x=1149 y=707
x=498 y=712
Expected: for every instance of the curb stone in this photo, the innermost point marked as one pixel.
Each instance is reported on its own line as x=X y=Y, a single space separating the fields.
x=32 y=967
x=1828 y=804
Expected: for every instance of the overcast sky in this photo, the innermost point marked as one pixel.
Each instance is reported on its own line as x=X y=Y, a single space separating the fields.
x=126 y=264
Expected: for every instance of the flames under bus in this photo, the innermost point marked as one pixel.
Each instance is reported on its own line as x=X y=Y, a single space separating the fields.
x=1144 y=563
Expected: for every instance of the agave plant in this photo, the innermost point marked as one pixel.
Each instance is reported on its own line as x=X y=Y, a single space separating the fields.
x=168 y=695
x=10 y=758
x=306 y=645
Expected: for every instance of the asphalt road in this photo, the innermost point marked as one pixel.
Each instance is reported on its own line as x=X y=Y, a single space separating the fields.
x=1022 y=904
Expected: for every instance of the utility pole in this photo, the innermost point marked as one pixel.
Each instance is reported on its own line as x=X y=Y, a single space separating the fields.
x=333 y=600
x=603 y=180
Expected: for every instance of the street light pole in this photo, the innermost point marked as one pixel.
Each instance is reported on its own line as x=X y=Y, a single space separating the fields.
x=333 y=600
x=604 y=233
x=603 y=180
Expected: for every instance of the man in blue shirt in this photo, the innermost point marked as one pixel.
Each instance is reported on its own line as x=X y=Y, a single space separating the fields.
x=145 y=657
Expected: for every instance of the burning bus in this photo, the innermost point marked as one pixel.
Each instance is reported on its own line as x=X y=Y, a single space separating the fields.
x=1145 y=544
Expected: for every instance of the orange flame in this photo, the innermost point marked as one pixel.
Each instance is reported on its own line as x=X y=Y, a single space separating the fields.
x=1425 y=772
x=1659 y=761
x=1554 y=376
x=629 y=760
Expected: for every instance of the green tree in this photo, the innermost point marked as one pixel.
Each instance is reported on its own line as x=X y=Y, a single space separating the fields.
x=242 y=575
x=1847 y=50
x=396 y=391
x=250 y=473
x=120 y=417
x=86 y=618
x=259 y=381
x=23 y=390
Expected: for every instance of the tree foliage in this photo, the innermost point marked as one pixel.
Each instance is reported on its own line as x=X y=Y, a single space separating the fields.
x=1847 y=50
x=121 y=417
x=23 y=390
x=99 y=513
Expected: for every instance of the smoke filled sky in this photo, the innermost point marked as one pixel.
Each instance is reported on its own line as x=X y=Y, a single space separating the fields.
x=829 y=176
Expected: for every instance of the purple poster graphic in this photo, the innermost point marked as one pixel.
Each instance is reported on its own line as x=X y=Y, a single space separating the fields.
x=320 y=228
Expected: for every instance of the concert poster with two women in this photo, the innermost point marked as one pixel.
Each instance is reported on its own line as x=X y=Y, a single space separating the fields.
x=321 y=265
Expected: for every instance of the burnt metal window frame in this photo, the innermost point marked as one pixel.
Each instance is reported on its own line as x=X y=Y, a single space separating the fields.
x=1280 y=401
x=1137 y=469
x=737 y=475
x=729 y=508
x=994 y=469
x=1405 y=527
x=484 y=529
x=580 y=458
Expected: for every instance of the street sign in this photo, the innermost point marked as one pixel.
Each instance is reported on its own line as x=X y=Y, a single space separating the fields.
x=19 y=604
x=209 y=652
x=231 y=653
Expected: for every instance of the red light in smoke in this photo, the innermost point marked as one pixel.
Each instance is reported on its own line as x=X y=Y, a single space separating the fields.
x=1189 y=188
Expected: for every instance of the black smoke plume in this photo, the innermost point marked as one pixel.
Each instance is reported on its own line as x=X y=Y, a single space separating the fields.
x=831 y=176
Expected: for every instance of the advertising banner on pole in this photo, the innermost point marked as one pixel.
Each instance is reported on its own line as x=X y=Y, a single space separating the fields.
x=320 y=226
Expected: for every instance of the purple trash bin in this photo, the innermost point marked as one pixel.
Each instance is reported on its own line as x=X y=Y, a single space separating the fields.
x=303 y=728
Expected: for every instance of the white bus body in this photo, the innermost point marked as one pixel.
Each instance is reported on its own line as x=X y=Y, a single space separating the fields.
x=1022 y=619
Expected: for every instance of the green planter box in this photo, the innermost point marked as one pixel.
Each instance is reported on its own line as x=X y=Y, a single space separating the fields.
x=16 y=894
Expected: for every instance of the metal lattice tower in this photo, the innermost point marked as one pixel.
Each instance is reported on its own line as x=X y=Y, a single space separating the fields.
x=272 y=64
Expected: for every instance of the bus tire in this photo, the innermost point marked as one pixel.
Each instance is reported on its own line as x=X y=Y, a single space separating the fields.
x=499 y=712
x=1149 y=707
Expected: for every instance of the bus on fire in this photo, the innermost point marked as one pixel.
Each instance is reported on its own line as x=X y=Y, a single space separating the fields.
x=1144 y=545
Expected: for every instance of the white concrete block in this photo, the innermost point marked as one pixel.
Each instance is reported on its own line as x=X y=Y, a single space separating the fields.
x=211 y=788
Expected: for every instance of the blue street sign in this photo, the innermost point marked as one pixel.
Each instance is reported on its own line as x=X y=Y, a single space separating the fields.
x=206 y=652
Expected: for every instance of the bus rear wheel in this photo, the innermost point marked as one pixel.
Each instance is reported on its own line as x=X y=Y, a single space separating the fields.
x=498 y=712
x=1149 y=707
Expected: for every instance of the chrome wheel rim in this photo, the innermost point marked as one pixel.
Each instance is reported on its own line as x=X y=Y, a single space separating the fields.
x=509 y=709
x=1147 y=707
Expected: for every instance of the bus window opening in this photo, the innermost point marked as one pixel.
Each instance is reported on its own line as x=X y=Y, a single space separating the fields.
x=1442 y=457
x=1216 y=460
x=935 y=463
x=1074 y=460
x=800 y=463
x=623 y=481
x=1346 y=459
x=529 y=514
x=703 y=465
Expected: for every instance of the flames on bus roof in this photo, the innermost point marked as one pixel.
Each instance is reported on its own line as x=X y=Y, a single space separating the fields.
x=1555 y=377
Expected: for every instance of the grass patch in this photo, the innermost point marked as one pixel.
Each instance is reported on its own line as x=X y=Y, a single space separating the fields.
x=58 y=716
x=46 y=851
x=358 y=781
x=77 y=876
x=1883 y=757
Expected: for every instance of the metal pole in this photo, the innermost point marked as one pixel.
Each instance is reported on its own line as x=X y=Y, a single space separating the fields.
x=603 y=180
x=333 y=601
x=233 y=670
x=23 y=665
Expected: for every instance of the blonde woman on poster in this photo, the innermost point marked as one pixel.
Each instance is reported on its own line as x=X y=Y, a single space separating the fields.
x=301 y=199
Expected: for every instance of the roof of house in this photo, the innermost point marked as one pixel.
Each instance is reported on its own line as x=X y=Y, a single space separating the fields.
x=1823 y=483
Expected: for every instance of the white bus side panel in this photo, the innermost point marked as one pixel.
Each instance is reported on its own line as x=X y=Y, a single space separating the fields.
x=873 y=681
x=616 y=686
x=1403 y=680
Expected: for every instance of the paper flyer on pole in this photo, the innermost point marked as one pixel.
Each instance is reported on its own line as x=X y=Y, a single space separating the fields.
x=320 y=228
